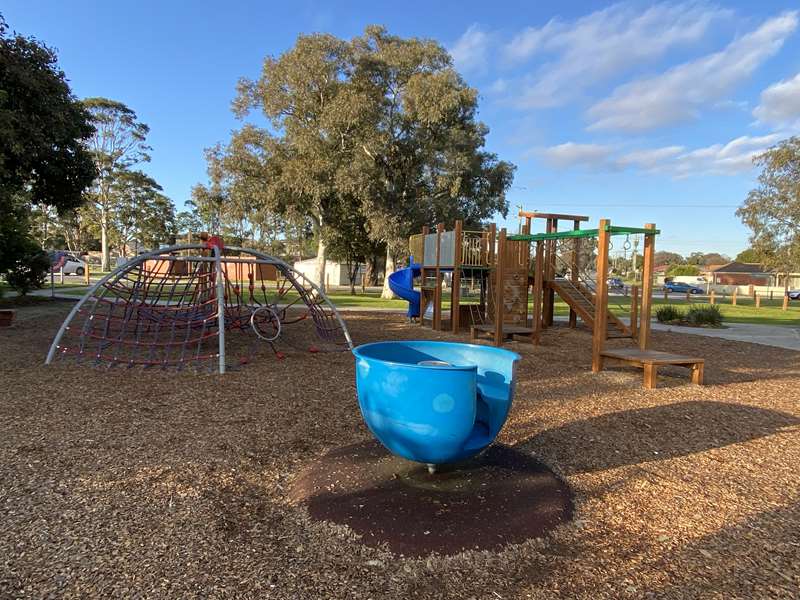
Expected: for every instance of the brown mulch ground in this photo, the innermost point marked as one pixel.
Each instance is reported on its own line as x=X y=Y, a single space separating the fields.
x=131 y=483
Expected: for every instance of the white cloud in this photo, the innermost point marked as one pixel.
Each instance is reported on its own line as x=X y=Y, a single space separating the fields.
x=722 y=159
x=732 y=158
x=649 y=159
x=571 y=154
x=601 y=45
x=677 y=94
x=470 y=50
x=780 y=103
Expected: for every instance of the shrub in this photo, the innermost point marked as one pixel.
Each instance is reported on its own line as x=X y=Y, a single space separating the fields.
x=678 y=270
x=668 y=314
x=708 y=315
x=29 y=270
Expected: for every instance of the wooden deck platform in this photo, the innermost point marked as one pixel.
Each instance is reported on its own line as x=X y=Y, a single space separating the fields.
x=509 y=331
x=650 y=360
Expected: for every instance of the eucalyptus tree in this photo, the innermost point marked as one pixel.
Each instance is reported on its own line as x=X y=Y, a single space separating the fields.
x=421 y=156
x=141 y=212
x=313 y=111
x=379 y=128
x=118 y=143
x=772 y=209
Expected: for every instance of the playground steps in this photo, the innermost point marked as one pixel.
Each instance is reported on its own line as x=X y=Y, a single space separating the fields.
x=582 y=302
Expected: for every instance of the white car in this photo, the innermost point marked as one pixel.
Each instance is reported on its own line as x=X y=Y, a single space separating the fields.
x=794 y=295
x=71 y=264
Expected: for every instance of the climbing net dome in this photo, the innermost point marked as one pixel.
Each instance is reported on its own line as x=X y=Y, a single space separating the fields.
x=202 y=306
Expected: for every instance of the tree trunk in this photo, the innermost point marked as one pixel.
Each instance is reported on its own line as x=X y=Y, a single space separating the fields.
x=387 y=292
x=319 y=273
x=105 y=257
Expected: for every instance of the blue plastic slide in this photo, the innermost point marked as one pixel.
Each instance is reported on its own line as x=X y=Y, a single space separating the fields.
x=402 y=284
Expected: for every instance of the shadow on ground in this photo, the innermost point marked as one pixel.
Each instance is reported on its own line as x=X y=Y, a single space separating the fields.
x=651 y=434
x=501 y=497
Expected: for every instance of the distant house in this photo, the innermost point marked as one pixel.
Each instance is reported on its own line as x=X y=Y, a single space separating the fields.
x=335 y=273
x=740 y=273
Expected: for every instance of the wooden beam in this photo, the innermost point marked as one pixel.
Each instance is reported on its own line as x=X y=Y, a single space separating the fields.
x=423 y=301
x=648 y=264
x=499 y=276
x=538 y=279
x=540 y=215
x=455 y=294
x=575 y=267
x=601 y=299
x=634 y=311
x=437 y=294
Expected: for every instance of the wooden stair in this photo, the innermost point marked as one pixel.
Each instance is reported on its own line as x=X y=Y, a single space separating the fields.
x=581 y=301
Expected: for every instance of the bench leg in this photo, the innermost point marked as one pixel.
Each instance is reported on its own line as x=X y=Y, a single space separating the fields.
x=697 y=374
x=650 y=376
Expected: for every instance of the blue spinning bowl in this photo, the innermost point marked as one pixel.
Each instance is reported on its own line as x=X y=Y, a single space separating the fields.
x=434 y=402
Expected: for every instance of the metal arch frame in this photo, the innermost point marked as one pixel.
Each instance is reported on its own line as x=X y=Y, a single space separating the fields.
x=177 y=248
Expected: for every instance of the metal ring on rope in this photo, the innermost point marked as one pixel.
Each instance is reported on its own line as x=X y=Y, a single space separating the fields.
x=272 y=318
x=627 y=244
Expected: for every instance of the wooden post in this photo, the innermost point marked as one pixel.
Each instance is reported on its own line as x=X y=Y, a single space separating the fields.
x=437 y=294
x=712 y=299
x=634 y=311
x=733 y=298
x=455 y=293
x=423 y=304
x=785 y=301
x=758 y=300
x=688 y=297
x=575 y=267
x=492 y=239
x=86 y=272
x=491 y=263
x=498 y=289
x=771 y=295
x=550 y=267
x=647 y=287
x=538 y=279
x=601 y=298
x=666 y=294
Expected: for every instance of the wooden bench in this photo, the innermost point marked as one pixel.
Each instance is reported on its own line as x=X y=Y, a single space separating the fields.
x=509 y=331
x=650 y=360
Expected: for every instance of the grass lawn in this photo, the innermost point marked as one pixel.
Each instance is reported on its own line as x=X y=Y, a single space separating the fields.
x=770 y=312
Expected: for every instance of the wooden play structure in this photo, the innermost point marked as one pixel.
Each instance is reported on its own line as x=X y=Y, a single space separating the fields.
x=510 y=280
x=497 y=272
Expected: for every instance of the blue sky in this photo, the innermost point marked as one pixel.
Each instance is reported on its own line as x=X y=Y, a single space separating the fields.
x=639 y=112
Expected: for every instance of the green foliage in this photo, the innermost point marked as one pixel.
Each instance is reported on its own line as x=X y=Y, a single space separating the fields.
x=379 y=127
x=748 y=256
x=42 y=130
x=140 y=211
x=29 y=269
x=707 y=258
x=679 y=270
x=668 y=314
x=708 y=315
x=772 y=210
x=118 y=143
x=668 y=258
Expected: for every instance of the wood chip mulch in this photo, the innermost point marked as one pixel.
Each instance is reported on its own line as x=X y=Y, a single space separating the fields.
x=135 y=483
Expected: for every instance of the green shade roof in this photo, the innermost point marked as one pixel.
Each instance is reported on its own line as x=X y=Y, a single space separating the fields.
x=580 y=233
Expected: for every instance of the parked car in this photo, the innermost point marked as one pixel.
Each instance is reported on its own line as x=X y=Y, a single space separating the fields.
x=677 y=286
x=794 y=295
x=71 y=264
